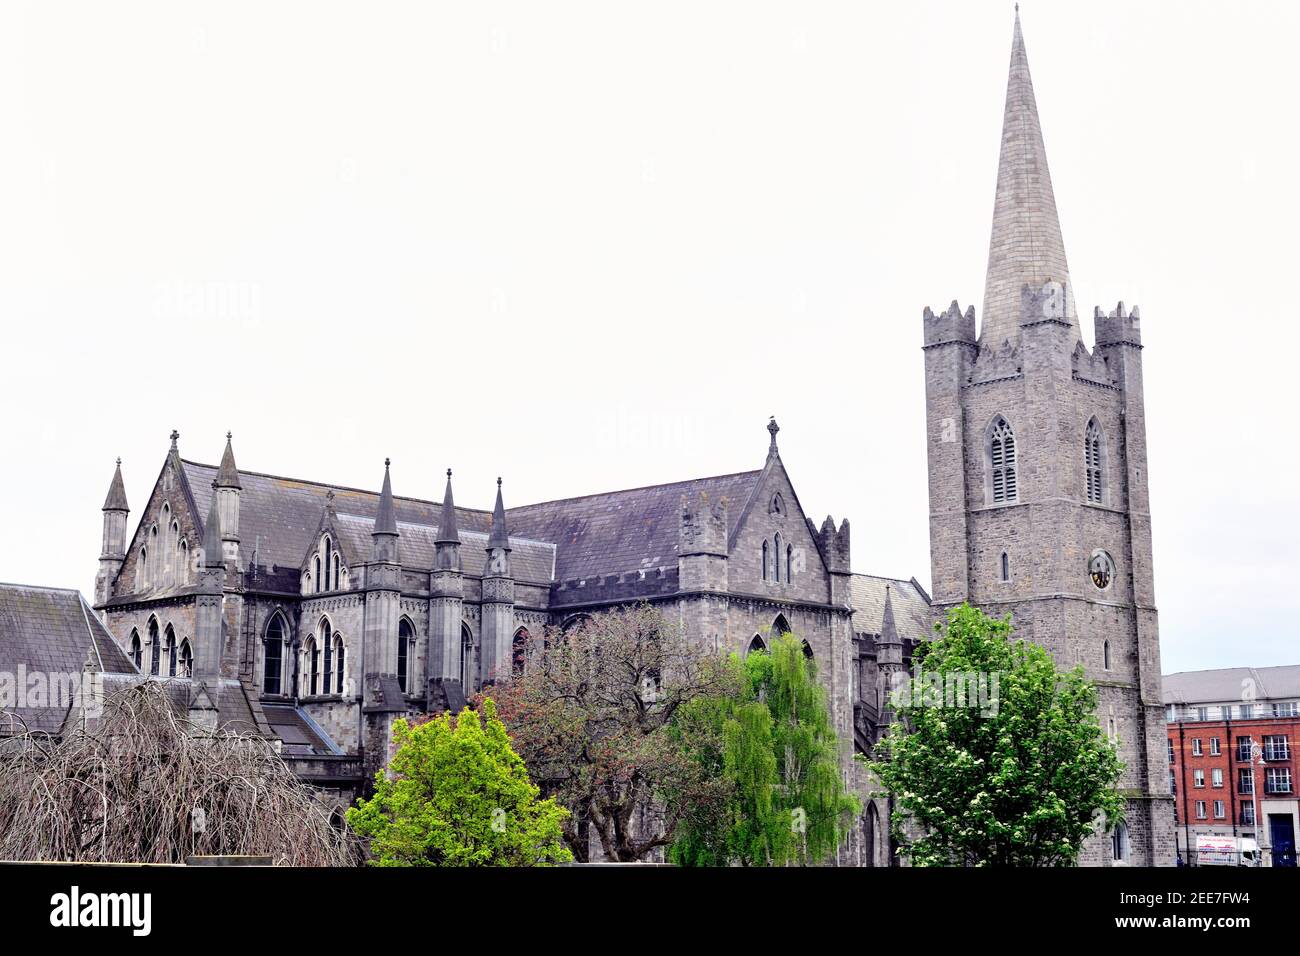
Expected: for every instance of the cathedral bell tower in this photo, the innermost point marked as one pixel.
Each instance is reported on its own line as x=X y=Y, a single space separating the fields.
x=1038 y=477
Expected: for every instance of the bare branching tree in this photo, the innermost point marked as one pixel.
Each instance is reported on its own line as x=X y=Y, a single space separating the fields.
x=143 y=784
x=591 y=716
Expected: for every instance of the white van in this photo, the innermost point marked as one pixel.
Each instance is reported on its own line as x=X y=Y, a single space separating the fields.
x=1226 y=851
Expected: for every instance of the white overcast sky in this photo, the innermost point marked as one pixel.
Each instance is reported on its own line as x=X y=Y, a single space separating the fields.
x=595 y=245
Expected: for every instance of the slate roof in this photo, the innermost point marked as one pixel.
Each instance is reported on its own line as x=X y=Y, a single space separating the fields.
x=608 y=533
x=298 y=733
x=910 y=603
x=52 y=630
x=1227 y=684
x=621 y=531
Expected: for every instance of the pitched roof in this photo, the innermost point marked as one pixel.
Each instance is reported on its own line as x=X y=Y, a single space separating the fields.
x=1025 y=245
x=909 y=603
x=116 y=500
x=1230 y=683
x=607 y=533
x=53 y=631
x=622 y=531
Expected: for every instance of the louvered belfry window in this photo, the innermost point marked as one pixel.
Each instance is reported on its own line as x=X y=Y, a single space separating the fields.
x=1092 y=461
x=1002 y=448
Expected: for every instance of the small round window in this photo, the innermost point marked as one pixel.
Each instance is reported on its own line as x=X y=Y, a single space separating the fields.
x=1101 y=569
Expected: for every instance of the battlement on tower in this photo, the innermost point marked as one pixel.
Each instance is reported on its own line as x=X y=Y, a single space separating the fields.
x=949 y=327
x=833 y=544
x=1118 y=327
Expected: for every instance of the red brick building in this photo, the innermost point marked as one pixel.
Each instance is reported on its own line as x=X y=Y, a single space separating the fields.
x=1232 y=755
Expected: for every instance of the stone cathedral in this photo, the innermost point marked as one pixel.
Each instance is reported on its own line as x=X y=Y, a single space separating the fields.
x=315 y=614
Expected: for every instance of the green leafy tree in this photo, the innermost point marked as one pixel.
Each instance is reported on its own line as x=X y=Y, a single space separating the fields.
x=771 y=740
x=456 y=794
x=1019 y=777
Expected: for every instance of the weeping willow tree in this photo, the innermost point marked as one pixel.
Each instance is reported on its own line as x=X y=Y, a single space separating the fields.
x=772 y=741
x=144 y=785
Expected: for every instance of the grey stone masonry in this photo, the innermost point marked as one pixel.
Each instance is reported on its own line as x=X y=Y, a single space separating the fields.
x=1040 y=526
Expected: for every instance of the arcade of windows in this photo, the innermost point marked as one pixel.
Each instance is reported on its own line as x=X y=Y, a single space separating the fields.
x=325 y=570
x=778 y=560
x=323 y=665
x=165 y=558
x=161 y=652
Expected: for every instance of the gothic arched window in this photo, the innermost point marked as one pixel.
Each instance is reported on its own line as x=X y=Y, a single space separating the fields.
x=312 y=655
x=273 y=656
x=169 y=644
x=339 y=650
x=1092 y=452
x=155 y=647
x=315 y=567
x=137 y=652
x=1105 y=654
x=187 y=659
x=405 y=640
x=765 y=560
x=789 y=563
x=1002 y=460
x=468 y=670
x=807 y=651
x=756 y=644
x=1119 y=843
x=1006 y=567
x=781 y=625
x=776 y=557
x=336 y=570
x=327 y=642
x=519 y=651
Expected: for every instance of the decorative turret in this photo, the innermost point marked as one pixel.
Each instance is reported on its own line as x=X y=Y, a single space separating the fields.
x=498 y=599
x=889 y=658
x=113 y=548
x=384 y=537
x=227 y=493
x=208 y=613
x=451 y=676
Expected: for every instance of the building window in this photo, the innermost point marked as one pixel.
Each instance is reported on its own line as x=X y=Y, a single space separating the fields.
x=789 y=563
x=1171 y=749
x=1214 y=746
x=1092 y=448
x=519 y=652
x=1219 y=811
x=315 y=573
x=1246 y=780
x=137 y=654
x=1002 y=460
x=155 y=649
x=1216 y=777
x=1275 y=747
x=1006 y=567
x=339 y=650
x=1119 y=842
x=273 y=656
x=312 y=671
x=1105 y=655
x=1196 y=746
x=778 y=505
x=1244 y=745
x=468 y=671
x=327 y=642
x=1277 y=780
x=1247 y=711
x=169 y=644
x=764 y=560
x=1198 y=778
x=776 y=558
x=1286 y=708
x=187 y=659
x=807 y=651
x=756 y=644
x=404 y=641
x=1248 y=814
x=1200 y=810
x=1173 y=781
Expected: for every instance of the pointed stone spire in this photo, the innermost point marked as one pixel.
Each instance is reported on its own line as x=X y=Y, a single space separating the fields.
x=228 y=474
x=213 y=555
x=1025 y=246
x=386 y=518
x=888 y=629
x=447 y=533
x=116 y=500
x=499 y=538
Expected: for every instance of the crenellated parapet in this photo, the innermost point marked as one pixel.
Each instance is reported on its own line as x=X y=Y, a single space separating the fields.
x=950 y=327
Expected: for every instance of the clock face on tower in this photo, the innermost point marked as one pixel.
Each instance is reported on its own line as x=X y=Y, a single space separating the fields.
x=1101 y=569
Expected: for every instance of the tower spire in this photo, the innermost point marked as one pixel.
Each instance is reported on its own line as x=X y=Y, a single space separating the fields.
x=116 y=500
x=1025 y=246
x=213 y=555
x=447 y=533
x=499 y=538
x=228 y=474
x=386 y=519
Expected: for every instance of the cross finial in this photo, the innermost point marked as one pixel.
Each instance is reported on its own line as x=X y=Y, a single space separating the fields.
x=498 y=481
x=772 y=429
x=387 y=461
x=119 y=461
x=229 y=435
x=175 y=437
x=449 y=474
